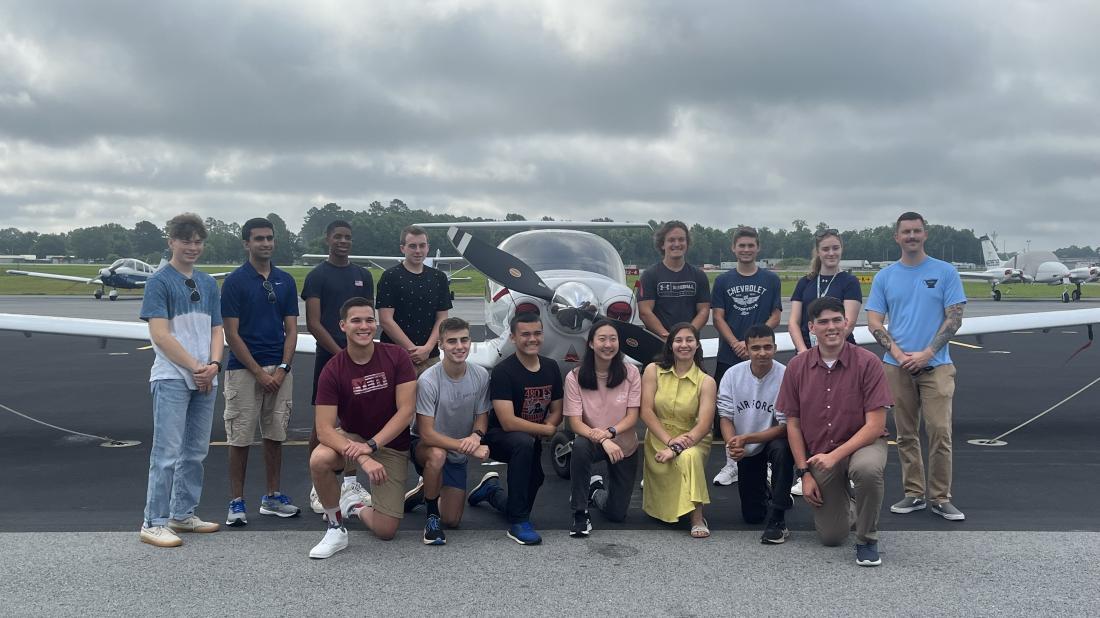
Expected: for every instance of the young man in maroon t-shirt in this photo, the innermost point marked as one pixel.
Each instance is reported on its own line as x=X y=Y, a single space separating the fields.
x=366 y=398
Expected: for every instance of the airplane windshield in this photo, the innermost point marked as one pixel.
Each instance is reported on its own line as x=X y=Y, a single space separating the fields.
x=566 y=250
x=116 y=264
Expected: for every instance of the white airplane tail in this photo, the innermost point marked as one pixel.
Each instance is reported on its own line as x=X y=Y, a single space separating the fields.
x=989 y=253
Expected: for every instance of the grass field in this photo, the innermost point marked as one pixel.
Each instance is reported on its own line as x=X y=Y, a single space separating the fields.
x=16 y=284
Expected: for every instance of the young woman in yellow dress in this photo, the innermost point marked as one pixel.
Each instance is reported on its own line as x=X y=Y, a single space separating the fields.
x=678 y=400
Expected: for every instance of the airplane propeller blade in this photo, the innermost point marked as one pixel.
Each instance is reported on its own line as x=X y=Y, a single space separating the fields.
x=637 y=342
x=500 y=266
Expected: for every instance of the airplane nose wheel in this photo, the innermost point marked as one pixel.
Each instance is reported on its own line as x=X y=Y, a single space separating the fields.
x=98 y=294
x=561 y=449
x=113 y=295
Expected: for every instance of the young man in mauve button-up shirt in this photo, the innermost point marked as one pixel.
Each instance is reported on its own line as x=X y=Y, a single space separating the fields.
x=835 y=397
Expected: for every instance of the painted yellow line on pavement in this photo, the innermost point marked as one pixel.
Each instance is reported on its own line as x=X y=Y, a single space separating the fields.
x=287 y=443
x=966 y=345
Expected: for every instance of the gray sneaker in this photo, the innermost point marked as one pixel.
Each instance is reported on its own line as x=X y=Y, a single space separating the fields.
x=947 y=511
x=908 y=504
x=279 y=505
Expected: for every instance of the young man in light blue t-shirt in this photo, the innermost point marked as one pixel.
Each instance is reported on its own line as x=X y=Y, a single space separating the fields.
x=183 y=309
x=924 y=298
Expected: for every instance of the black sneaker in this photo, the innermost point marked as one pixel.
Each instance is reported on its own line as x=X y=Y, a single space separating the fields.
x=433 y=531
x=867 y=555
x=582 y=525
x=594 y=484
x=775 y=533
x=415 y=496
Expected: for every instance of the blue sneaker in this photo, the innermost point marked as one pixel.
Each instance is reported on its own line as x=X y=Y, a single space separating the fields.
x=433 y=531
x=867 y=555
x=236 y=517
x=524 y=534
x=278 y=504
x=485 y=488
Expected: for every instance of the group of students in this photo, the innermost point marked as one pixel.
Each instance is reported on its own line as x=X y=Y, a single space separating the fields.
x=816 y=426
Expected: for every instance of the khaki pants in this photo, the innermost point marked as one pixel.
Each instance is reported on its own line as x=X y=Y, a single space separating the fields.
x=833 y=519
x=928 y=396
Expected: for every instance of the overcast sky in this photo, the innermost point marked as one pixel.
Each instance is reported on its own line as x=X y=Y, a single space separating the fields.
x=983 y=115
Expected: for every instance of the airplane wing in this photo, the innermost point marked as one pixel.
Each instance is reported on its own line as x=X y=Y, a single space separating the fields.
x=486 y=353
x=979 y=276
x=518 y=226
x=984 y=325
x=27 y=273
x=102 y=329
x=218 y=275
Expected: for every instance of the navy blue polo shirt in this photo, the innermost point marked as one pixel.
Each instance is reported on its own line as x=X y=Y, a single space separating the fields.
x=260 y=321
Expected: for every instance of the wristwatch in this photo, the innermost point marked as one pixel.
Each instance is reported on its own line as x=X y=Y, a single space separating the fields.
x=373 y=445
x=284 y=366
x=798 y=472
x=216 y=362
x=480 y=433
x=611 y=430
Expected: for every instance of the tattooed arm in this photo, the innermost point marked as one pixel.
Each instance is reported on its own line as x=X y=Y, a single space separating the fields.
x=876 y=324
x=952 y=320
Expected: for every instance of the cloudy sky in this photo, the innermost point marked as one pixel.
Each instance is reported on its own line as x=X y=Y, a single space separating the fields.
x=978 y=114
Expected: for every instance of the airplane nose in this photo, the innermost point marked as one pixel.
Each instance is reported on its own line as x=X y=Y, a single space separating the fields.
x=573 y=304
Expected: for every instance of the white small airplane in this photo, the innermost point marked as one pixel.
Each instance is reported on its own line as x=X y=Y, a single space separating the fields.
x=1031 y=267
x=125 y=273
x=567 y=276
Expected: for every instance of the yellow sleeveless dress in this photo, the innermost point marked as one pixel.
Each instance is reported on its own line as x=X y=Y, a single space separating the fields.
x=673 y=488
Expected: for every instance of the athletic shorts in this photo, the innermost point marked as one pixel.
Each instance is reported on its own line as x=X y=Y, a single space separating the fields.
x=454 y=473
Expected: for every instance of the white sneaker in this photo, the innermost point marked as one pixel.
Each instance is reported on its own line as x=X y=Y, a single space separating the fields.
x=315 y=502
x=796 y=489
x=727 y=475
x=335 y=540
x=353 y=498
x=160 y=536
x=192 y=524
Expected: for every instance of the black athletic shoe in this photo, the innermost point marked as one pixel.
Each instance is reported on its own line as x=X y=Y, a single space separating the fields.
x=582 y=525
x=433 y=531
x=775 y=533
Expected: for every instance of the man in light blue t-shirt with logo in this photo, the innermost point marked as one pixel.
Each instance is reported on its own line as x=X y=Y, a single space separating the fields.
x=924 y=298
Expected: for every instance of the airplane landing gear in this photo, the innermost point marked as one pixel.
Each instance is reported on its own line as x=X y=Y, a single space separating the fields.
x=996 y=294
x=113 y=295
x=1065 y=296
x=1076 y=294
x=561 y=449
x=98 y=294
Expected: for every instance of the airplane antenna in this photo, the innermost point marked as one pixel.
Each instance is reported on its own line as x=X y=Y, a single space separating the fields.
x=1082 y=348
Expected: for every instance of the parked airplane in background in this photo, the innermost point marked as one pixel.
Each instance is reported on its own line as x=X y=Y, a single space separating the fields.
x=125 y=274
x=1031 y=267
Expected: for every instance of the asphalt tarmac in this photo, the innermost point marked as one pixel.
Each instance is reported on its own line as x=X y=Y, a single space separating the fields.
x=1030 y=541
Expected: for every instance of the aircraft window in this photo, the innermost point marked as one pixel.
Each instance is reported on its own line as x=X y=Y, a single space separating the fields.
x=129 y=264
x=566 y=250
x=116 y=264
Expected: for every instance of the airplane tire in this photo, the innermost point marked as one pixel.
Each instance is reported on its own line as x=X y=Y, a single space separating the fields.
x=113 y=297
x=996 y=295
x=1065 y=297
x=98 y=295
x=560 y=449
x=1076 y=295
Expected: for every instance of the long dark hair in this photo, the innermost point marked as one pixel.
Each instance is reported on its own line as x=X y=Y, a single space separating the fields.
x=586 y=373
x=667 y=359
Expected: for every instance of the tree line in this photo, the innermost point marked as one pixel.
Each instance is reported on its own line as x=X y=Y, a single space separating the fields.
x=377 y=229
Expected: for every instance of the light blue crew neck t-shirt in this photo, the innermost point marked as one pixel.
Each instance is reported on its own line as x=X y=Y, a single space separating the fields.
x=914 y=298
x=168 y=296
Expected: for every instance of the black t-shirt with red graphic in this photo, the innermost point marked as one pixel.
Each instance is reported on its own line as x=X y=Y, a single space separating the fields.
x=365 y=396
x=530 y=392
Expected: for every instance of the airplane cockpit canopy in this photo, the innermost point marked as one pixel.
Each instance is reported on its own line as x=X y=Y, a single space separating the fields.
x=566 y=250
x=117 y=264
x=131 y=264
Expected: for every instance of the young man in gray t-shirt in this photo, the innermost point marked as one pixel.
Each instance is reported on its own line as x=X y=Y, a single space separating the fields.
x=452 y=401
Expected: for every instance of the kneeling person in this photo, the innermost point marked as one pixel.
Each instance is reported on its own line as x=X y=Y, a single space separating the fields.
x=755 y=433
x=452 y=405
x=526 y=391
x=835 y=397
x=366 y=397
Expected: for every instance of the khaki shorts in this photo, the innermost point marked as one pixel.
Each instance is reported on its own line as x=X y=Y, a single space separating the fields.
x=389 y=497
x=246 y=405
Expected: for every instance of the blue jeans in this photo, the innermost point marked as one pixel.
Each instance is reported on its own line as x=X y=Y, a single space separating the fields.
x=181 y=437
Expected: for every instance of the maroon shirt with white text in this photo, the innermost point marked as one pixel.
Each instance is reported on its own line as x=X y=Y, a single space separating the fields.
x=365 y=396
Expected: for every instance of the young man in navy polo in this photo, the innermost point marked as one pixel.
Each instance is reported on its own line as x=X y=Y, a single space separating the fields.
x=260 y=313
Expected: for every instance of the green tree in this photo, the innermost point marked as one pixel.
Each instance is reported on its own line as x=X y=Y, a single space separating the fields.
x=49 y=244
x=286 y=243
x=147 y=238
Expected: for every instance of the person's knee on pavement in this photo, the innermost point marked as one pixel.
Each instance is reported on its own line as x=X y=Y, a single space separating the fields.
x=832 y=538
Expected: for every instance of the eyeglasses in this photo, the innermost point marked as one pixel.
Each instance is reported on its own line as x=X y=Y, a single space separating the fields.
x=270 y=291
x=828 y=232
x=194 y=290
